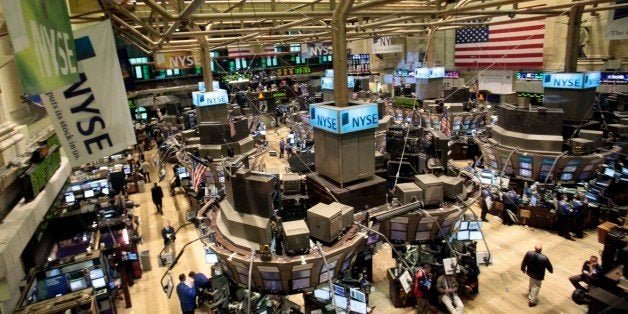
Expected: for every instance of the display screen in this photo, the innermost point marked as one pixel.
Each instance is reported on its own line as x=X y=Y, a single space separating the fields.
x=76 y=187
x=78 y=284
x=105 y=191
x=463 y=235
x=609 y=172
x=339 y=290
x=475 y=225
x=464 y=225
x=591 y=196
x=537 y=76
x=96 y=273
x=533 y=200
x=615 y=77
x=357 y=295
x=357 y=307
x=570 y=169
x=89 y=193
x=99 y=283
x=452 y=74
x=624 y=170
x=69 y=197
x=525 y=172
x=475 y=235
x=566 y=176
x=127 y=169
x=322 y=294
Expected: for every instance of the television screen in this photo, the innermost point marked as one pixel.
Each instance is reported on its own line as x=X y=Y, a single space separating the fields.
x=105 y=191
x=624 y=170
x=127 y=169
x=339 y=290
x=181 y=170
x=592 y=197
x=69 y=197
x=76 y=187
x=525 y=172
x=463 y=235
x=475 y=225
x=357 y=295
x=78 y=284
x=99 y=283
x=132 y=256
x=96 y=273
x=609 y=172
x=89 y=193
x=570 y=169
x=357 y=307
x=525 y=165
x=341 y=302
x=464 y=225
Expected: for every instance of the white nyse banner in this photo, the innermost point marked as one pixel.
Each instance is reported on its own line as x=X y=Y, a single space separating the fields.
x=384 y=45
x=91 y=117
x=617 y=25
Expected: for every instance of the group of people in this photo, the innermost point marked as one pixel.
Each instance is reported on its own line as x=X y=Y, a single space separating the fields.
x=286 y=146
x=188 y=290
x=571 y=215
x=447 y=286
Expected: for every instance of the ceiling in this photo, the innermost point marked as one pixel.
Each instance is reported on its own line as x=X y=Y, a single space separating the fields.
x=169 y=25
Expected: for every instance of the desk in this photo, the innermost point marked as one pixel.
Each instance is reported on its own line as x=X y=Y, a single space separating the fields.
x=540 y=217
x=602 y=299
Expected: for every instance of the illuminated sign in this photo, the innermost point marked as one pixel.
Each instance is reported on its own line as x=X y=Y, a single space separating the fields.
x=216 y=97
x=327 y=83
x=429 y=73
x=215 y=85
x=344 y=120
x=571 y=80
x=351 y=82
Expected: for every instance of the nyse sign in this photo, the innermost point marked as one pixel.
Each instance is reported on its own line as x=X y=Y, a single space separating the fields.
x=571 y=80
x=216 y=97
x=344 y=120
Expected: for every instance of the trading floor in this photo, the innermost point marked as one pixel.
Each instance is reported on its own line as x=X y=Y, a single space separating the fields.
x=503 y=287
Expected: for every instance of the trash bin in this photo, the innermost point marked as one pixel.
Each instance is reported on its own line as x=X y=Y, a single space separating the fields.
x=145 y=260
x=141 y=186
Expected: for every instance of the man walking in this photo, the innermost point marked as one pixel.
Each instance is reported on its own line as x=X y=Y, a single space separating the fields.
x=145 y=167
x=534 y=265
x=157 y=195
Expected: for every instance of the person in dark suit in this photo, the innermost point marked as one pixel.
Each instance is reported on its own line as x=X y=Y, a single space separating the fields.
x=534 y=265
x=591 y=271
x=564 y=213
x=157 y=194
x=187 y=296
x=168 y=234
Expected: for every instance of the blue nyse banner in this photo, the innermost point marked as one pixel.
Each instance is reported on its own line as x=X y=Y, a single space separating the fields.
x=216 y=97
x=344 y=120
x=571 y=80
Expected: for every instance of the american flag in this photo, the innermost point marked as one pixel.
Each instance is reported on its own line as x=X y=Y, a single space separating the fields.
x=501 y=45
x=236 y=52
x=198 y=172
x=232 y=129
x=444 y=123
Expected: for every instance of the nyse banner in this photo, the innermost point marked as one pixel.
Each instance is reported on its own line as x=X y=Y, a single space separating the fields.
x=177 y=60
x=43 y=44
x=91 y=117
x=384 y=45
x=342 y=120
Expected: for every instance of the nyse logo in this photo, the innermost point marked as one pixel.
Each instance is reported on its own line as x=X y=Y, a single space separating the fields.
x=323 y=121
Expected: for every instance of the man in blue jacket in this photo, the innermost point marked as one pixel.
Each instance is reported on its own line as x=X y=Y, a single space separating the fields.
x=187 y=296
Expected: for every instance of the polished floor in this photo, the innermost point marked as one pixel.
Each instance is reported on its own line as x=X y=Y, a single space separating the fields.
x=503 y=286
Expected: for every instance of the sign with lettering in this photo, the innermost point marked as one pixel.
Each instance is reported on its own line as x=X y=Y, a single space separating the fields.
x=215 y=85
x=571 y=80
x=384 y=45
x=616 y=25
x=429 y=73
x=91 y=117
x=215 y=97
x=316 y=49
x=177 y=59
x=42 y=40
x=342 y=120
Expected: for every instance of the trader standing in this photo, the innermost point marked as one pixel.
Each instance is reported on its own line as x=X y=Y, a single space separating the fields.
x=168 y=234
x=187 y=295
x=534 y=265
x=157 y=195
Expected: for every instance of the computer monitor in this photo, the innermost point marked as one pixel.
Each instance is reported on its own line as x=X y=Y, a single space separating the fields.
x=464 y=225
x=127 y=169
x=533 y=200
x=566 y=176
x=181 y=170
x=592 y=197
x=341 y=302
x=357 y=295
x=96 y=273
x=211 y=258
x=570 y=169
x=76 y=187
x=78 y=284
x=463 y=235
x=132 y=256
x=475 y=225
x=99 y=283
x=624 y=170
x=609 y=172
x=105 y=191
x=69 y=197
x=339 y=290
x=88 y=193
x=357 y=307
x=184 y=175
x=475 y=235
x=322 y=294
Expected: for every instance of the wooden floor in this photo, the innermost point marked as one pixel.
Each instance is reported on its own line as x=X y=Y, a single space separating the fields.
x=503 y=286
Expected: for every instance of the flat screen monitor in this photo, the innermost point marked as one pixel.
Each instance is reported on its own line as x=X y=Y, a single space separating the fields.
x=127 y=169
x=609 y=172
x=566 y=176
x=592 y=197
x=339 y=290
x=525 y=172
x=211 y=258
x=105 y=191
x=78 y=284
x=533 y=200
x=184 y=175
x=475 y=225
x=88 y=193
x=96 y=273
x=99 y=283
x=322 y=294
x=300 y=283
x=475 y=235
x=464 y=225
x=132 y=256
x=341 y=302
x=463 y=235
x=486 y=181
x=357 y=307
x=69 y=197
x=570 y=169
x=624 y=170
x=76 y=187
x=357 y=295
x=181 y=170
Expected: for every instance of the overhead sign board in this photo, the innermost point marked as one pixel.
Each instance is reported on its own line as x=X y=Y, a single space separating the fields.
x=429 y=73
x=215 y=86
x=42 y=39
x=571 y=80
x=384 y=45
x=328 y=82
x=177 y=60
x=343 y=120
x=216 y=97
